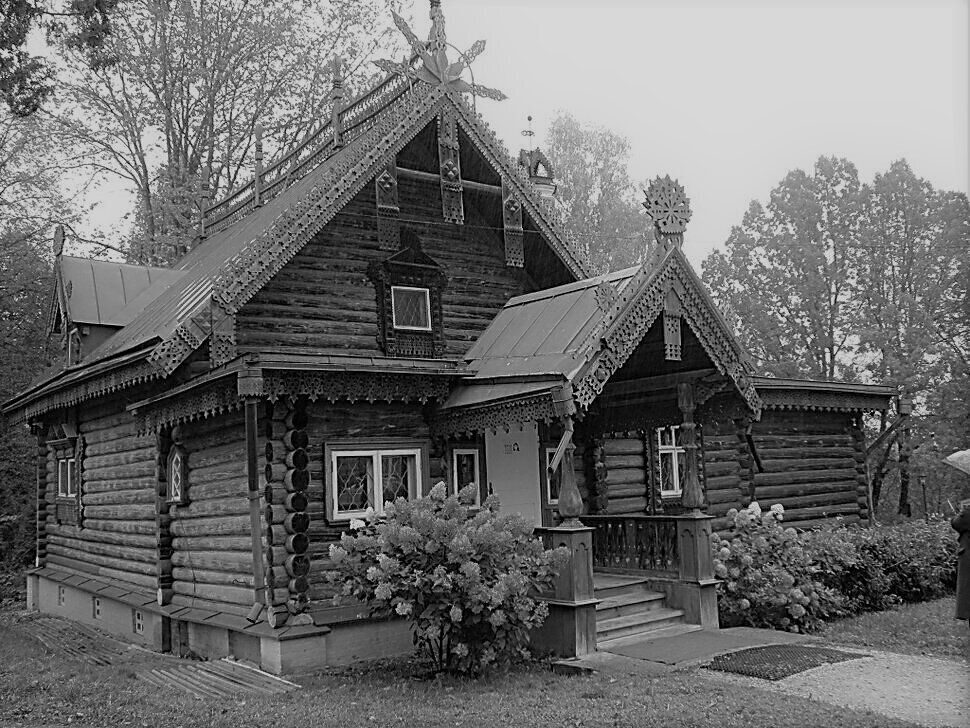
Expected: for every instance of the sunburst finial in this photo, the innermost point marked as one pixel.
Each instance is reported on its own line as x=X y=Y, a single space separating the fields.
x=668 y=205
x=435 y=67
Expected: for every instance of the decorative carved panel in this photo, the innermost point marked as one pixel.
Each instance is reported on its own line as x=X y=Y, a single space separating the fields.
x=512 y=222
x=388 y=207
x=672 y=341
x=452 y=206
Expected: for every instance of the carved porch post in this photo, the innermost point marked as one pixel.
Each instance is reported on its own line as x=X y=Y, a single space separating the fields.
x=570 y=628
x=693 y=497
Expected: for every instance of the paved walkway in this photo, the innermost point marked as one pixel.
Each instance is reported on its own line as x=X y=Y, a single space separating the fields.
x=923 y=690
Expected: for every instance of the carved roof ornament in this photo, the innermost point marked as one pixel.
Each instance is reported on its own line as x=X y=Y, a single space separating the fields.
x=435 y=68
x=669 y=207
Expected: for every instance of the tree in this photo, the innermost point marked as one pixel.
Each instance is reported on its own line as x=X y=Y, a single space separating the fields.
x=26 y=81
x=786 y=274
x=601 y=205
x=189 y=84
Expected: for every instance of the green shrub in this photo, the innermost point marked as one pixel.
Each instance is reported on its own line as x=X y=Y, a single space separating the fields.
x=467 y=581
x=849 y=569
x=768 y=578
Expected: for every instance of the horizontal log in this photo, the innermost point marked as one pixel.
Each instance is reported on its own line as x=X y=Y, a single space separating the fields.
x=216 y=455
x=722 y=482
x=127 y=553
x=106 y=486
x=720 y=456
x=622 y=446
x=274 y=450
x=122 y=512
x=212 y=526
x=802 y=514
x=625 y=476
x=223 y=592
x=627 y=490
x=796 y=503
x=215 y=507
x=797 y=489
x=804 y=476
x=144 y=469
x=235 y=487
x=138 y=580
x=807 y=451
x=625 y=461
x=776 y=440
x=136 y=540
x=205 y=576
x=222 y=471
x=294 y=439
x=231 y=561
x=213 y=543
x=724 y=496
x=620 y=506
x=120 y=564
x=119 y=497
x=115 y=526
x=114 y=458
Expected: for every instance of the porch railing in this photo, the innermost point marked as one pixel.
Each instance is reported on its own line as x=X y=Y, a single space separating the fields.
x=635 y=543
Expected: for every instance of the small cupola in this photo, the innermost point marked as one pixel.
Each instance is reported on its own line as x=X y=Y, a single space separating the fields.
x=540 y=171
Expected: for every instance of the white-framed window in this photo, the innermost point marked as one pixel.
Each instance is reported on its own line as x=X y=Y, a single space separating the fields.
x=67 y=477
x=465 y=471
x=554 y=480
x=362 y=479
x=411 y=308
x=671 y=461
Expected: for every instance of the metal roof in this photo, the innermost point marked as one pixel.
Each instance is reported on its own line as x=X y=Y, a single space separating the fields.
x=101 y=292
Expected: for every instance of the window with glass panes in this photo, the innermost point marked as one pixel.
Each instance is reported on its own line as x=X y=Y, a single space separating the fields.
x=66 y=477
x=464 y=471
x=362 y=479
x=670 y=460
x=411 y=308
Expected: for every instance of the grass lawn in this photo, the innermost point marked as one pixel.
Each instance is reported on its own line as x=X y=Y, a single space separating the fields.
x=927 y=628
x=38 y=689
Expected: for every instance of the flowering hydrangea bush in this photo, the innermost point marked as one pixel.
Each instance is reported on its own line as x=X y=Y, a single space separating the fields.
x=768 y=578
x=466 y=580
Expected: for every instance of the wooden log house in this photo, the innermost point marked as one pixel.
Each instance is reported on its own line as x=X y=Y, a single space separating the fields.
x=394 y=303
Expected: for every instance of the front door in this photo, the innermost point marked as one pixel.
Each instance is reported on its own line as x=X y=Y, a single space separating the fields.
x=513 y=470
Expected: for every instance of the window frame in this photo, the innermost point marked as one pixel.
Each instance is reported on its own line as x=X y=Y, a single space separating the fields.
x=376 y=451
x=455 y=485
x=675 y=451
x=550 y=455
x=427 y=308
x=177 y=451
x=70 y=491
x=67 y=497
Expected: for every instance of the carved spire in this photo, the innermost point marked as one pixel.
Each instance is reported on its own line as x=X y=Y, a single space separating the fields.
x=58 y=243
x=337 y=99
x=258 y=178
x=668 y=205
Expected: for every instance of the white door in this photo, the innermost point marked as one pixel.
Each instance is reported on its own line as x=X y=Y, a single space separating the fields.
x=512 y=465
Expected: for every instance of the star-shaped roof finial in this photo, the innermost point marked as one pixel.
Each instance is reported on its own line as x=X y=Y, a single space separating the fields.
x=435 y=67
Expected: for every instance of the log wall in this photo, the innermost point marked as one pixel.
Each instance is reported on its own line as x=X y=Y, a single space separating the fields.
x=212 y=563
x=116 y=538
x=323 y=298
x=813 y=465
x=359 y=422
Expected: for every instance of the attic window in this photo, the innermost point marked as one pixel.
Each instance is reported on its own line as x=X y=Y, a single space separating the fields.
x=411 y=308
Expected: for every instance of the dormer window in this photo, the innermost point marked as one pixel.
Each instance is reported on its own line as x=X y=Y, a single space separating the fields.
x=408 y=286
x=411 y=308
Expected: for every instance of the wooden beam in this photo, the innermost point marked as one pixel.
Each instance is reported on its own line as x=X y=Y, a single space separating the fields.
x=659 y=381
x=252 y=472
x=436 y=178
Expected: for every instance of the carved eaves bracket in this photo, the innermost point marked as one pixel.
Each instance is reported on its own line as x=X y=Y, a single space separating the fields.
x=452 y=205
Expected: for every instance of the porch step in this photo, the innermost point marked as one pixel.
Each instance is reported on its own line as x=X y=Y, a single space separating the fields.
x=634 y=601
x=672 y=630
x=637 y=624
x=606 y=586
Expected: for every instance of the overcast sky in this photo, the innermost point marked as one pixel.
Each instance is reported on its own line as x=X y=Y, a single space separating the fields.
x=729 y=96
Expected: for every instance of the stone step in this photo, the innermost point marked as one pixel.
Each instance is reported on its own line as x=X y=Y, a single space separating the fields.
x=609 y=629
x=634 y=601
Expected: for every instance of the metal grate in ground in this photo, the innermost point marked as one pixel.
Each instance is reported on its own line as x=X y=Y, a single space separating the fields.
x=777 y=662
x=75 y=640
x=221 y=679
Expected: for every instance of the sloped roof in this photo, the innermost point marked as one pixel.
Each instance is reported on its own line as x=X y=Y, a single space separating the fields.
x=579 y=334
x=102 y=292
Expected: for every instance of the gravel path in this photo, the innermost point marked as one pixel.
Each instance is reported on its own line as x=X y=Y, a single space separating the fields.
x=925 y=690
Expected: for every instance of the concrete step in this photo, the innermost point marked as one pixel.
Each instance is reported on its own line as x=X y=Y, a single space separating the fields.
x=634 y=601
x=653 y=619
x=654 y=634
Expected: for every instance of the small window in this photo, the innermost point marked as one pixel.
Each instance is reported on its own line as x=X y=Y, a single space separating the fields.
x=61 y=596
x=137 y=622
x=411 y=308
x=96 y=607
x=465 y=471
x=554 y=480
x=670 y=460
x=67 y=477
x=177 y=476
x=362 y=479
